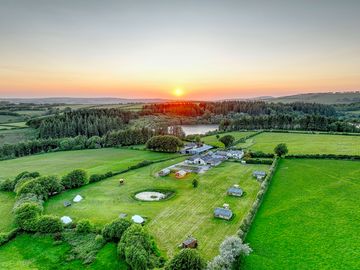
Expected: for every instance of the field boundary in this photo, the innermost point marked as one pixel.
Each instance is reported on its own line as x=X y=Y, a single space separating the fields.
x=250 y=216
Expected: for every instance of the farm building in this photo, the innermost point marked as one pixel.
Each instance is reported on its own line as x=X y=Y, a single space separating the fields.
x=190 y=242
x=259 y=175
x=198 y=160
x=235 y=191
x=188 y=147
x=180 y=174
x=199 y=150
x=211 y=160
x=236 y=154
x=223 y=213
x=164 y=172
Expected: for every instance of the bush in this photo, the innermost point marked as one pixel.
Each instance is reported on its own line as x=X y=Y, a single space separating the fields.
x=100 y=239
x=6 y=237
x=114 y=230
x=49 y=224
x=51 y=184
x=136 y=248
x=227 y=140
x=281 y=149
x=186 y=259
x=32 y=186
x=95 y=178
x=7 y=185
x=84 y=226
x=74 y=179
x=195 y=183
x=27 y=216
x=109 y=174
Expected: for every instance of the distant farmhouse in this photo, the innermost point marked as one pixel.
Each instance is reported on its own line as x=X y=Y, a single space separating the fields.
x=259 y=175
x=236 y=154
x=235 y=191
x=223 y=213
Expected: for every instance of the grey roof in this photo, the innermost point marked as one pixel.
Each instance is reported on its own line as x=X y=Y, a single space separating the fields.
x=259 y=173
x=235 y=190
x=222 y=212
x=189 y=241
x=67 y=203
x=201 y=148
x=192 y=158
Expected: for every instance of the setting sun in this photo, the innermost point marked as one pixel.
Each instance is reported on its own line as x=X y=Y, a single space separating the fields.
x=178 y=92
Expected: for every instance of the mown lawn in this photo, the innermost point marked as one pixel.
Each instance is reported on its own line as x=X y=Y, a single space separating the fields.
x=305 y=143
x=7 y=200
x=212 y=140
x=29 y=252
x=309 y=219
x=189 y=212
x=93 y=161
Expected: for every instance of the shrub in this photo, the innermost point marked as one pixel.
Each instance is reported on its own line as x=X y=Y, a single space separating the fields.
x=84 y=226
x=74 y=179
x=49 y=224
x=136 y=248
x=281 y=149
x=195 y=183
x=95 y=178
x=51 y=184
x=27 y=215
x=227 y=140
x=32 y=186
x=114 y=230
x=100 y=239
x=6 y=237
x=7 y=185
x=186 y=259
x=109 y=174
x=230 y=251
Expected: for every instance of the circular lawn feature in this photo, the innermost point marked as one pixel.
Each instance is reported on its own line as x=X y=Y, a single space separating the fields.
x=153 y=195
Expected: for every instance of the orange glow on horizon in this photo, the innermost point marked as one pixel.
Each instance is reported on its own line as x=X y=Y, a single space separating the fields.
x=178 y=92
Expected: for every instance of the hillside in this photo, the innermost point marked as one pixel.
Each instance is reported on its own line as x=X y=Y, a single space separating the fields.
x=324 y=98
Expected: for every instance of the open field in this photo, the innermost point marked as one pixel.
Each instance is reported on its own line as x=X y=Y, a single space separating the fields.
x=299 y=143
x=92 y=160
x=4 y=119
x=11 y=136
x=7 y=200
x=190 y=211
x=212 y=140
x=309 y=218
x=29 y=252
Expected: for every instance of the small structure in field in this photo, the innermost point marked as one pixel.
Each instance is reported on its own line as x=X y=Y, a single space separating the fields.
x=190 y=242
x=78 y=198
x=164 y=172
x=180 y=174
x=67 y=203
x=223 y=213
x=226 y=206
x=66 y=220
x=122 y=215
x=259 y=175
x=121 y=181
x=235 y=191
x=243 y=162
x=138 y=219
x=236 y=154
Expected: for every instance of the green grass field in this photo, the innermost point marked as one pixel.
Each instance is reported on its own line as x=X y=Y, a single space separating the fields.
x=93 y=161
x=7 y=200
x=309 y=218
x=29 y=252
x=212 y=140
x=190 y=211
x=299 y=143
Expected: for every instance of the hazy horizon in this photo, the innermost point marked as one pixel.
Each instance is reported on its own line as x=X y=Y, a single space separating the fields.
x=203 y=50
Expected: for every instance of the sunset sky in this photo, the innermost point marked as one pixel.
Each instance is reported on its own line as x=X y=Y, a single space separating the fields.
x=197 y=49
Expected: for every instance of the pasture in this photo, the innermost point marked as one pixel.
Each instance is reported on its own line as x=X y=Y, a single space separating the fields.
x=212 y=140
x=299 y=143
x=92 y=160
x=189 y=212
x=309 y=218
x=10 y=135
x=29 y=252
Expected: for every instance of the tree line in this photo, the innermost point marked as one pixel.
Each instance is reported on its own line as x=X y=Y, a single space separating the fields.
x=87 y=122
x=288 y=122
x=194 y=109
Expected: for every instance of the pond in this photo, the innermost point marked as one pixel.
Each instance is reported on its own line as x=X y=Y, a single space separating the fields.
x=198 y=129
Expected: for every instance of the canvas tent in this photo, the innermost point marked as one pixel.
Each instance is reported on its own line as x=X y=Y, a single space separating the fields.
x=137 y=219
x=77 y=198
x=66 y=220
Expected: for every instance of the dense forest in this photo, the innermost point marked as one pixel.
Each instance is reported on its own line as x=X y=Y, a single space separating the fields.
x=193 y=109
x=94 y=122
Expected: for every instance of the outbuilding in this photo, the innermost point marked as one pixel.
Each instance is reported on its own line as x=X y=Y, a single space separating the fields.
x=138 y=219
x=259 y=175
x=66 y=220
x=78 y=198
x=190 y=242
x=235 y=191
x=164 y=172
x=67 y=203
x=180 y=174
x=223 y=213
